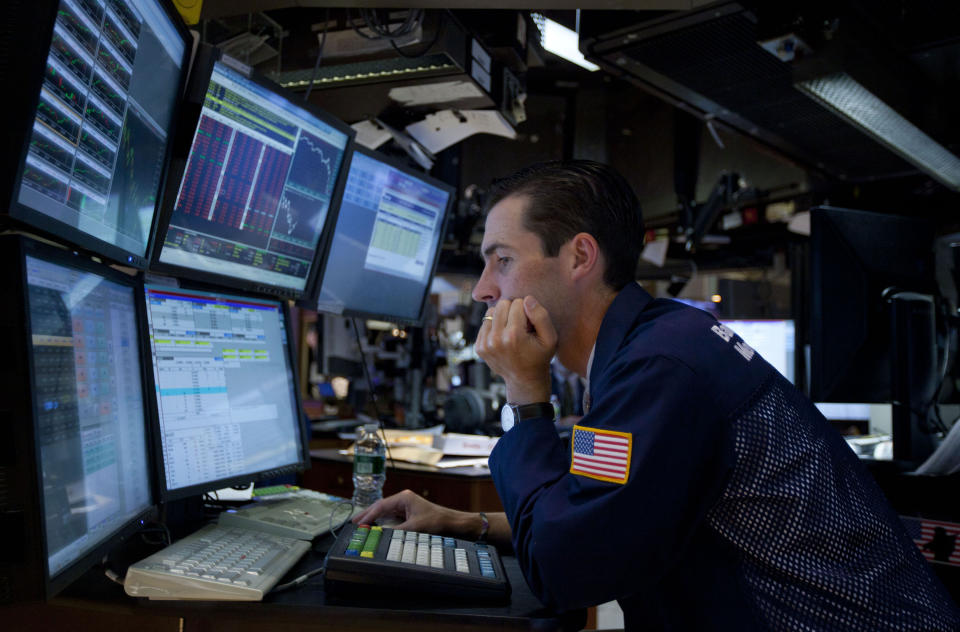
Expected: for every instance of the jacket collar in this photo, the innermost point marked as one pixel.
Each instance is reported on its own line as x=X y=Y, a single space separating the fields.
x=618 y=320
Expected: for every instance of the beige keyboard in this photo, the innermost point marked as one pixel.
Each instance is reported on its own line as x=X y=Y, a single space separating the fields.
x=216 y=563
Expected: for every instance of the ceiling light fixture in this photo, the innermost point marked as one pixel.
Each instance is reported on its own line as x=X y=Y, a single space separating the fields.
x=844 y=96
x=561 y=41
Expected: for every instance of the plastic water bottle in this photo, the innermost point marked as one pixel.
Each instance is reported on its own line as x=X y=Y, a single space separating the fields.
x=368 y=466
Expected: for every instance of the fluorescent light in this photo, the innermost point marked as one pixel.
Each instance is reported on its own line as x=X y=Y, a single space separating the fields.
x=562 y=42
x=846 y=97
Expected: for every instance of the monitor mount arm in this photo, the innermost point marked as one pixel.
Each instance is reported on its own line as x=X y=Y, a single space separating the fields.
x=915 y=371
x=699 y=218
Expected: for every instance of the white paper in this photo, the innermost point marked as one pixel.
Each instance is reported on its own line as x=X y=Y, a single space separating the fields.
x=656 y=252
x=231 y=494
x=468 y=445
x=370 y=135
x=444 y=128
x=800 y=223
x=457 y=462
x=442 y=92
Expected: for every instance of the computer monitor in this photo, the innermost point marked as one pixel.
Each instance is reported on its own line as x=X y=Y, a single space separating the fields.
x=92 y=93
x=774 y=340
x=224 y=390
x=854 y=257
x=387 y=239
x=75 y=455
x=258 y=187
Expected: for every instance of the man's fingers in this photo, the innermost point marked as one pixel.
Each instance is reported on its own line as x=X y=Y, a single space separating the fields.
x=388 y=506
x=516 y=319
x=492 y=327
x=540 y=319
x=501 y=311
x=486 y=325
x=368 y=514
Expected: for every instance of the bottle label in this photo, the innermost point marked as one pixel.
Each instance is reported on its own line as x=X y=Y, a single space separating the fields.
x=367 y=464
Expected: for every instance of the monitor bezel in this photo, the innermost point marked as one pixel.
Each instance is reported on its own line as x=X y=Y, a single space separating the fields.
x=825 y=383
x=200 y=75
x=25 y=246
x=31 y=78
x=166 y=495
x=311 y=300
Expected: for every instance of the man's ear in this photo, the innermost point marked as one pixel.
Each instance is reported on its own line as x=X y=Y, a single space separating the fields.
x=585 y=259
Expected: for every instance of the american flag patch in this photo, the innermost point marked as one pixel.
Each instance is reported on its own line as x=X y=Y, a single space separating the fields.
x=601 y=454
x=939 y=542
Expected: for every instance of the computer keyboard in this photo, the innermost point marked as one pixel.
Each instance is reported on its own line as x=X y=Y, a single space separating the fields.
x=216 y=563
x=299 y=517
x=365 y=558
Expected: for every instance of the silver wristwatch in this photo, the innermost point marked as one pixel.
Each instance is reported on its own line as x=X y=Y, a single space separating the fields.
x=512 y=414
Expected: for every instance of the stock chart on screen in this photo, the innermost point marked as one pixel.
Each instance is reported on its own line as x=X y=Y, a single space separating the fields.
x=97 y=147
x=257 y=186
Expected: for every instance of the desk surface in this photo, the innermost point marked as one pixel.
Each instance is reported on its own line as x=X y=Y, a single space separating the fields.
x=463 y=488
x=94 y=600
x=470 y=471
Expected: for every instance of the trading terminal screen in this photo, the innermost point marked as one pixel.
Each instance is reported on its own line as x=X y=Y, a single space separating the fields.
x=224 y=385
x=257 y=185
x=98 y=146
x=89 y=408
x=384 y=247
x=774 y=340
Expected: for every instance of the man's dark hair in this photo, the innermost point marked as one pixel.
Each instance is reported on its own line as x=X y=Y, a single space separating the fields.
x=579 y=196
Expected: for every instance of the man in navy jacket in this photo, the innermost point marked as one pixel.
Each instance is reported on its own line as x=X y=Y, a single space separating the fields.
x=700 y=489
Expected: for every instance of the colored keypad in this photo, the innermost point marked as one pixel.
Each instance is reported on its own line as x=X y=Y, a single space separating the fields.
x=421 y=549
x=404 y=560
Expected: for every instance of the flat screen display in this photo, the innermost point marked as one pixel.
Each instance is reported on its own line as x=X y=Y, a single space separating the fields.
x=225 y=389
x=384 y=247
x=98 y=145
x=774 y=340
x=257 y=186
x=89 y=408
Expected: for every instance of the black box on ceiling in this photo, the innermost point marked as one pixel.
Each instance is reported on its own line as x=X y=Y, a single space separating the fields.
x=454 y=72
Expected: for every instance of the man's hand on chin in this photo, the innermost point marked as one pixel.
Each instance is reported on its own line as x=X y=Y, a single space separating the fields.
x=517 y=340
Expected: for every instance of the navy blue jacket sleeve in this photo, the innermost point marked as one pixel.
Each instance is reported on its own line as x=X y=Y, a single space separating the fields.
x=582 y=541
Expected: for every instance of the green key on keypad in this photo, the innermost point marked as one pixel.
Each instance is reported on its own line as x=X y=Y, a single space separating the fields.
x=356 y=541
x=370 y=546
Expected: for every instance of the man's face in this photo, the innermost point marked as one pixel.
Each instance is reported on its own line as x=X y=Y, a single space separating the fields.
x=514 y=263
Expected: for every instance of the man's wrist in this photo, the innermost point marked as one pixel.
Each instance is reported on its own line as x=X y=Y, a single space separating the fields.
x=528 y=393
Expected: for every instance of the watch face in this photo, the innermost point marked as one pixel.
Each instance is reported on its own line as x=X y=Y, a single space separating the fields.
x=507 y=418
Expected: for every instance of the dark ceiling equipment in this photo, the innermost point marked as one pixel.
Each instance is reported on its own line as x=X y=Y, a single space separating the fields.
x=710 y=61
x=441 y=65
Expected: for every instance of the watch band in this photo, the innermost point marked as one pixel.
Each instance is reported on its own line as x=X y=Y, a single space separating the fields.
x=523 y=412
x=484 y=527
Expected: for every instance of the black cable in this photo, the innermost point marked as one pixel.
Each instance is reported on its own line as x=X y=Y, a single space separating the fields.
x=156 y=527
x=333 y=530
x=436 y=36
x=373 y=391
x=298 y=581
x=381 y=31
x=934 y=403
x=413 y=19
x=316 y=66
x=357 y=28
